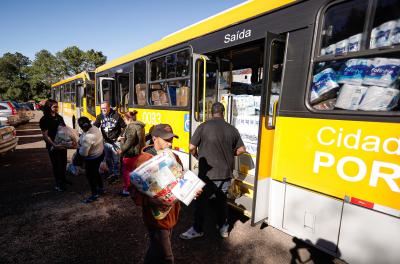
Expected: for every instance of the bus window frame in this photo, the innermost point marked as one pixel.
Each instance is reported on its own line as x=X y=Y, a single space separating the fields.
x=134 y=96
x=362 y=53
x=185 y=78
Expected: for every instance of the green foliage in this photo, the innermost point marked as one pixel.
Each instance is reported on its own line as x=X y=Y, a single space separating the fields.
x=21 y=79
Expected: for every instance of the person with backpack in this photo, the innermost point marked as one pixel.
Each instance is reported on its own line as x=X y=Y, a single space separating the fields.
x=131 y=143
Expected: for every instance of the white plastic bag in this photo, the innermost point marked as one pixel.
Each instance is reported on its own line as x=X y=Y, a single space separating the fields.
x=66 y=136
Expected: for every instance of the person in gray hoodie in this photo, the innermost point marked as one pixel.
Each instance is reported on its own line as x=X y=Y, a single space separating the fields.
x=91 y=147
x=132 y=142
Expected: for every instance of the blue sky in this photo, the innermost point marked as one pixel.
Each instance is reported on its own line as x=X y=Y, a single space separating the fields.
x=115 y=27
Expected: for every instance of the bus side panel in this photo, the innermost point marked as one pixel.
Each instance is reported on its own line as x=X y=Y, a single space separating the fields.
x=180 y=123
x=365 y=229
x=68 y=113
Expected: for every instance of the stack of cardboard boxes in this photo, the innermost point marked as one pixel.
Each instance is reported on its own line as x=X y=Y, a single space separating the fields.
x=141 y=93
x=182 y=96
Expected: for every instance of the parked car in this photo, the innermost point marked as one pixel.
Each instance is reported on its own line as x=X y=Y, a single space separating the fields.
x=9 y=114
x=23 y=117
x=8 y=139
x=28 y=110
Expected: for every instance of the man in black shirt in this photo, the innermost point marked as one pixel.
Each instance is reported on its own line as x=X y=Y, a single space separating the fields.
x=111 y=125
x=49 y=124
x=215 y=143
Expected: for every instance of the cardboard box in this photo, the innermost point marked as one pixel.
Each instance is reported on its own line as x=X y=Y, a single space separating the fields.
x=182 y=96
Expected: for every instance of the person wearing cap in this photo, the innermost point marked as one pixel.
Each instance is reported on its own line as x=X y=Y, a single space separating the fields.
x=215 y=143
x=160 y=230
x=131 y=144
x=111 y=126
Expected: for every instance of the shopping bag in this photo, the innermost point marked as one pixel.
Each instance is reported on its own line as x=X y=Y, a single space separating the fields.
x=66 y=136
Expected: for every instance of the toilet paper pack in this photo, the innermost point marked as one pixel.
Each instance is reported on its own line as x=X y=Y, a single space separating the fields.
x=350 y=96
x=354 y=71
x=383 y=73
x=323 y=82
x=354 y=43
x=379 y=99
x=341 y=47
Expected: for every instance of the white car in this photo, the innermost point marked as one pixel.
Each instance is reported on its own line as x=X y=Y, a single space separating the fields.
x=8 y=139
x=8 y=114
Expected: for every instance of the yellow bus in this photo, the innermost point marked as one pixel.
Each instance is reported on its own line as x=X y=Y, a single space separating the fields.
x=312 y=87
x=76 y=97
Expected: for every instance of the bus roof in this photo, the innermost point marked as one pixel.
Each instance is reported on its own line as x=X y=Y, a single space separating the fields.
x=81 y=75
x=231 y=16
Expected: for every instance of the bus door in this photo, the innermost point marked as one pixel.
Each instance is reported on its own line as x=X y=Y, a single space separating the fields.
x=205 y=79
x=275 y=46
x=107 y=90
x=123 y=92
x=79 y=98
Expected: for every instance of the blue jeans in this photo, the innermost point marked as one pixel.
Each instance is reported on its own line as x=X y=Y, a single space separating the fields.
x=112 y=158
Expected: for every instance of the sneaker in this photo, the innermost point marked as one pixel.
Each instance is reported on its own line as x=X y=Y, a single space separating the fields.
x=224 y=231
x=190 y=234
x=124 y=193
x=90 y=199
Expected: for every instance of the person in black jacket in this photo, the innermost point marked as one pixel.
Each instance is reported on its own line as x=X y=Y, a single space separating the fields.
x=58 y=153
x=111 y=125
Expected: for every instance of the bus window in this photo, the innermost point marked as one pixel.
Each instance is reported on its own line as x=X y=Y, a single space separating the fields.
x=73 y=92
x=342 y=22
x=158 y=69
x=123 y=87
x=170 y=80
x=365 y=82
x=67 y=93
x=139 y=83
x=90 y=98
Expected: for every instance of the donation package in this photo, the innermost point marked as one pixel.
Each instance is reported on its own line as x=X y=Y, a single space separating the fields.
x=66 y=136
x=157 y=178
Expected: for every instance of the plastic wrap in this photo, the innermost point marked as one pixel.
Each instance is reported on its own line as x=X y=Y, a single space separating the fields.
x=354 y=71
x=379 y=99
x=395 y=36
x=354 y=43
x=350 y=96
x=384 y=31
x=157 y=176
x=323 y=83
x=384 y=72
x=330 y=50
x=66 y=136
x=244 y=105
x=341 y=47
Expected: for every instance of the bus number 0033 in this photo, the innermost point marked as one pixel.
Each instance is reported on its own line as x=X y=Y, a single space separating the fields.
x=151 y=118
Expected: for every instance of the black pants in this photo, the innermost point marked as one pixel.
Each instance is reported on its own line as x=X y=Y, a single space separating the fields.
x=160 y=250
x=58 y=158
x=201 y=204
x=93 y=175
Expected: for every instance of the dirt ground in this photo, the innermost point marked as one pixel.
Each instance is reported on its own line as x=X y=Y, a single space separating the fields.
x=39 y=225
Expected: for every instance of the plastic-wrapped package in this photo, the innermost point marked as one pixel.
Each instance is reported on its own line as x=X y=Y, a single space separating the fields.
x=326 y=105
x=382 y=38
x=330 y=50
x=383 y=73
x=323 y=83
x=353 y=71
x=341 y=46
x=354 y=43
x=243 y=105
x=157 y=176
x=379 y=99
x=323 y=52
x=247 y=127
x=350 y=96
x=66 y=136
x=372 y=41
x=395 y=36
